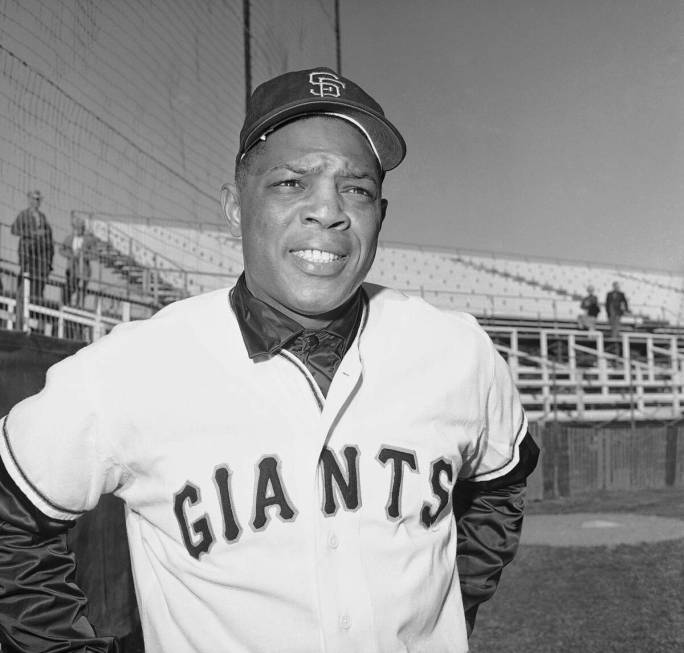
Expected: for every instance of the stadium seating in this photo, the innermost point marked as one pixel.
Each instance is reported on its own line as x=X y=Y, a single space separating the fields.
x=195 y=259
x=528 y=306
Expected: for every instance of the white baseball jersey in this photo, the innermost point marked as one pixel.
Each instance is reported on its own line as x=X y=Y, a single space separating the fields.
x=261 y=516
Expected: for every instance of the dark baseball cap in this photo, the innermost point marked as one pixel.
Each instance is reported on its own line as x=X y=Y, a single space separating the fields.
x=320 y=91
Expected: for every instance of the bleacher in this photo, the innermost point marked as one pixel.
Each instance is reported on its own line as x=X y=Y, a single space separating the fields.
x=196 y=259
x=529 y=307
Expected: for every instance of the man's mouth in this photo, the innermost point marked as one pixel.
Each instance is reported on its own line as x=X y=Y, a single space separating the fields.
x=317 y=255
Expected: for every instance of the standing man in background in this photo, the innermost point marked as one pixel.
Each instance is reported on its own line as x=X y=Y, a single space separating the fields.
x=79 y=247
x=309 y=463
x=616 y=307
x=35 y=248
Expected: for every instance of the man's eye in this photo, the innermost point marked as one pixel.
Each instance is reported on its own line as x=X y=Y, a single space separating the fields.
x=289 y=183
x=360 y=190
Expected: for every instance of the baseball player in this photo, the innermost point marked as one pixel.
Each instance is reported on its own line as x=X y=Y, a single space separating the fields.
x=308 y=463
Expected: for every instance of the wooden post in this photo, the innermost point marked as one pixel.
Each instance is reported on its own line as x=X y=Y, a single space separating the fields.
x=675 y=378
x=60 y=323
x=22 y=306
x=97 y=325
x=600 y=351
x=649 y=358
x=671 y=437
x=544 y=353
x=513 y=356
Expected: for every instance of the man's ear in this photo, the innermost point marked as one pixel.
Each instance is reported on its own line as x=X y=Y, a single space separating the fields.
x=230 y=203
x=383 y=209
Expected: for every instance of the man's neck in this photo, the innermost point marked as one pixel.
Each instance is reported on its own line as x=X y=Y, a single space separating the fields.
x=314 y=322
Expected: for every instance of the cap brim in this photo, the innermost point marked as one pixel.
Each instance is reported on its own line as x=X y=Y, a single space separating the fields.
x=386 y=139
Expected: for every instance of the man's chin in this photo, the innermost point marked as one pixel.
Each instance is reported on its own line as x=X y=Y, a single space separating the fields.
x=321 y=307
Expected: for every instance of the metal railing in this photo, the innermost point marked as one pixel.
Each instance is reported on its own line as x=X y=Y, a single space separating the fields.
x=573 y=375
x=65 y=322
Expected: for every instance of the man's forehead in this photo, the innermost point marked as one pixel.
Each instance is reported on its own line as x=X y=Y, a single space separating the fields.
x=330 y=143
x=313 y=163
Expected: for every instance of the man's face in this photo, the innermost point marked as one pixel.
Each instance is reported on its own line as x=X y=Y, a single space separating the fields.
x=34 y=202
x=309 y=211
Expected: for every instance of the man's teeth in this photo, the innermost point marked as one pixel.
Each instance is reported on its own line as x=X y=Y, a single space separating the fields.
x=316 y=255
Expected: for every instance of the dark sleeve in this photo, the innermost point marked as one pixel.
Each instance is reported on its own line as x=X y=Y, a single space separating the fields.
x=489 y=519
x=50 y=245
x=41 y=608
x=17 y=227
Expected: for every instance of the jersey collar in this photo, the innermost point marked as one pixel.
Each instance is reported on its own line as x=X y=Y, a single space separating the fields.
x=265 y=330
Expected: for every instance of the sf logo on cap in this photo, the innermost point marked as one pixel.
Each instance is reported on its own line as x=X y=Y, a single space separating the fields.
x=325 y=84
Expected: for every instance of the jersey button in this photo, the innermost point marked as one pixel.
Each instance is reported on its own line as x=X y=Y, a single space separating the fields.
x=345 y=622
x=333 y=542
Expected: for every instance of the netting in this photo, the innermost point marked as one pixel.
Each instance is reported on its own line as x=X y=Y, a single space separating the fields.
x=131 y=108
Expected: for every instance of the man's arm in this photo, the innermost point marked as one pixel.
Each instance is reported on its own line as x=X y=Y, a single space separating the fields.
x=48 y=243
x=489 y=519
x=65 y=248
x=625 y=305
x=17 y=227
x=41 y=608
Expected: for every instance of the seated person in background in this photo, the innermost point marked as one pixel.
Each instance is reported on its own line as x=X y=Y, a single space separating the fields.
x=590 y=306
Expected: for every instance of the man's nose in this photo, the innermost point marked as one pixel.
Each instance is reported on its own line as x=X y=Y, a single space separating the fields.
x=326 y=209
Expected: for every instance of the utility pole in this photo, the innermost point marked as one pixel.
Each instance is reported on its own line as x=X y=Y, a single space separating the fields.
x=247 y=41
x=338 y=46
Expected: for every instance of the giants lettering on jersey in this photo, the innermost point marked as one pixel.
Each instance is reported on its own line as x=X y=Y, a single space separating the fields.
x=341 y=489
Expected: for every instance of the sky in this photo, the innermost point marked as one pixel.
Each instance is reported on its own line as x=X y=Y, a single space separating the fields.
x=543 y=128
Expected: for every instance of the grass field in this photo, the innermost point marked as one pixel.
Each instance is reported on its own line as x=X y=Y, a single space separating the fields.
x=627 y=599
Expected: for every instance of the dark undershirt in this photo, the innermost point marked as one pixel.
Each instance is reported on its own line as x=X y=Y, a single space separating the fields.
x=266 y=331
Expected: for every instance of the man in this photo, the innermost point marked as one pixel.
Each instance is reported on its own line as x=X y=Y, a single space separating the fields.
x=79 y=247
x=591 y=308
x=35 y=248
x=288 y=451
x=616 y=307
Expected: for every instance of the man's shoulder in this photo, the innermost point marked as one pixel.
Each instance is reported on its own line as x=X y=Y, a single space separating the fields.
x=397 y=307
x=171 y=326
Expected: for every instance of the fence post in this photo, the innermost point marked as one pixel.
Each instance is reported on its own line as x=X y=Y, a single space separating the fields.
x=556 y=468
x=671 y=437
x=97 y=325
x=601 y=460
x=60 y=322
x=544 y=354
x=22 y=305
x=125 y=311
x=674 y=371
x=572 y=356
x=535 y=482
x=155 y=286
x=513 y=356
x=579 y=393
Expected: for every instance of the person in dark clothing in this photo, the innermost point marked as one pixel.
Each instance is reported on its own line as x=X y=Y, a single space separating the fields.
x=36 y=248
x=616 y=307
